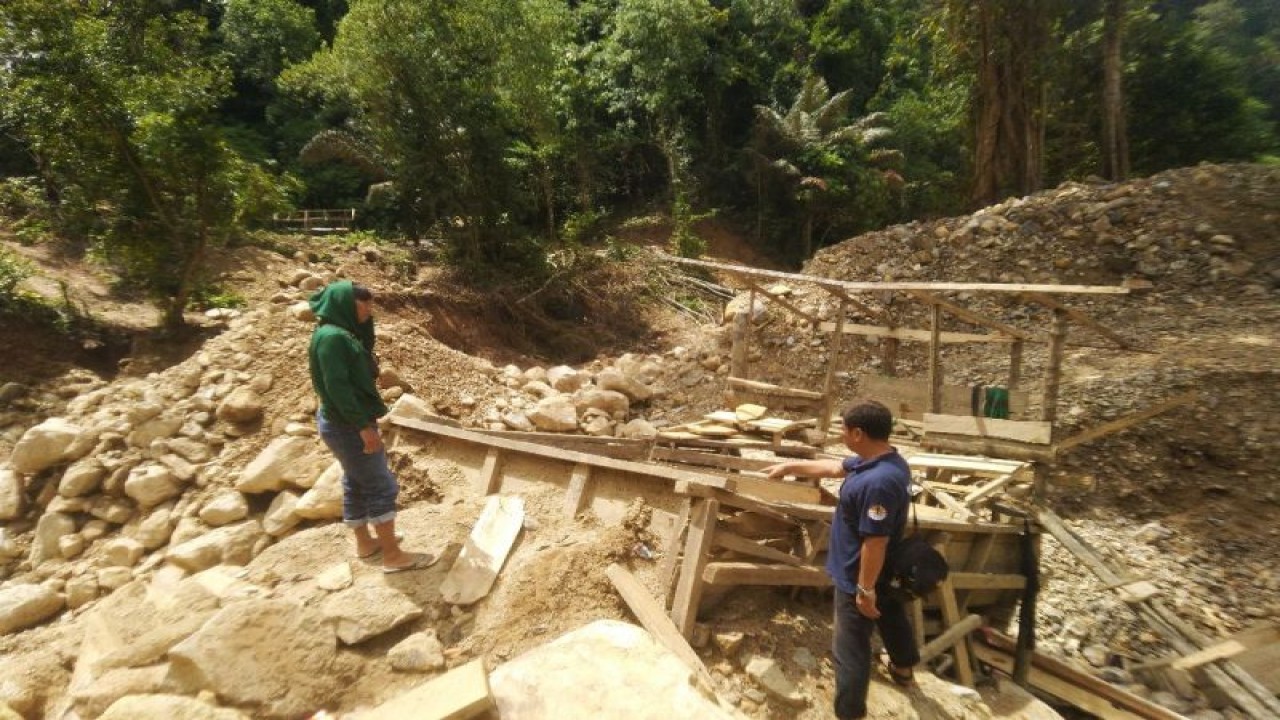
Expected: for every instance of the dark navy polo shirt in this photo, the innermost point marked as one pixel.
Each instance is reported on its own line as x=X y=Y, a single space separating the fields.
x=874 y=500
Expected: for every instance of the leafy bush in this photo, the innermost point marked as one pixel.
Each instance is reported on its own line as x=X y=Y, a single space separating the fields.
x=13 y=270
x=209 y=297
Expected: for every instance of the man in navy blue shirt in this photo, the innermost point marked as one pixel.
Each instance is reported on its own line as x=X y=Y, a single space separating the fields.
x=867 y=527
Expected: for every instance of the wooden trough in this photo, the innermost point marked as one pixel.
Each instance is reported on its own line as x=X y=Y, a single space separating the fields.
x=721 y=526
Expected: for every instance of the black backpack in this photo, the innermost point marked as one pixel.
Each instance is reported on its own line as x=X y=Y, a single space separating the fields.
x=916 y=567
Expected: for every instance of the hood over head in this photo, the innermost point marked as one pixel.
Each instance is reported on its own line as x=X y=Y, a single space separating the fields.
x=335 y=304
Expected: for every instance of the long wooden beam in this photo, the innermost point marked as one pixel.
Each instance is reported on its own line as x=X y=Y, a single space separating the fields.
x=914 y=334
x=881 y=286
x=969 y=315
x=782 y=301
x=1124 y=423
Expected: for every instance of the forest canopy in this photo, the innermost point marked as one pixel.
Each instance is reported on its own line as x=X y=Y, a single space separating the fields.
x=152 y=130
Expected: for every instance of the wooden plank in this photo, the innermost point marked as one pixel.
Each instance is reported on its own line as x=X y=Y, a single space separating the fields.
x=909 y=397
x=866 y=286
x=1066 y=689
x=751 y=573
x=1251 y=639
x=1053 y=370
x=993 y=467
x=949 y=637
x=738 y=354
x=1028 y=431
x=569 y=456
x=1126 y=422
x=739 y=544
x=653 y=619
x=1080 y=317
x=490 y=478
x=783 y=302
x=935 y=359
x=578 y=496
x=991 y=447
x=912 y=334
x=476 y=567
x=702 y=530
x=833 y=359
x=798 y=451
x=768 y=389
x=970 y=316
x=947 y=501
x=623 y=447
x=459 y=694
x=986 y=581
x=699 y=457
x=774 y=490
x=951 y=617
x=671 y=553
x=985 y=491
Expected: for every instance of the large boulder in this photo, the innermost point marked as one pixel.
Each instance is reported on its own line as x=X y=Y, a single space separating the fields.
x=228 y=545
x=638 y=429
x=611 y=401
x=151 y=485
x=613 y=379
x=324 y=500
x=167 y=707
x=224 y=508
x=630 y=675
x=281 y=516
x=286 y=460
x=555 y=414
x=275 y=656
x=154 y=429
x=566 y=379
x=82 y=478
x=22 y=606
x=366 y=611
x=50 y=443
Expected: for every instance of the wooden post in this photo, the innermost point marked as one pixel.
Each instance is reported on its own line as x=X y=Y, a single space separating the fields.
x=951 y=618
x=671 y=553
x=579 y=495
x=935 y=359
x=1053 y=373
x=1015 y=364
x=490 y=473
x=741 y=336
x=833 y=358
x=702 y=531
x=751 y=327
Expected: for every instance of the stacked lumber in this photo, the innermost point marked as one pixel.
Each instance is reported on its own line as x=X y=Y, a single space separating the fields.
x=745 y=427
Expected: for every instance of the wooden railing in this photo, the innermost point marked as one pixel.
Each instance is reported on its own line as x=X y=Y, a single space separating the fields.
x=317 y=221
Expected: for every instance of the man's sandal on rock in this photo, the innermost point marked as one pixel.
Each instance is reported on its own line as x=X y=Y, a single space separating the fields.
x=906 y=677
x=419 y=561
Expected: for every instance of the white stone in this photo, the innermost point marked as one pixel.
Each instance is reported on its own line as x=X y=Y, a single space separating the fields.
x=114 y=578
x=555 y=414
x=22 y=606
x=49 y=529
x=517 y=420
x=243 y=405
x=224 y=508
x=283 y=461
x=335 y=578
x=366 y=611
x=538 y=389
x=281 y=517
x=81 y=590
x=638 y=429
x=50 y=443
x=70 y=546
x=628 y=673
x=274 y=656
x=566 y=379
x=190 y=450
x=616 y=380
x=766 y=672
x=324 y=500
x=610 y=401
x=151 y=485
x=11 y=504
x=122 y=552
x=155 y=429
x=153 y=706
x=420 y=652
x=230 y=545
x=82 y=478
x=155 y=529
x=412 y=407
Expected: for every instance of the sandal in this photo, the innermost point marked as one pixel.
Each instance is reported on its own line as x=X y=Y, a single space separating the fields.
x=904 y=677
x=374 y=552
x=420 y=561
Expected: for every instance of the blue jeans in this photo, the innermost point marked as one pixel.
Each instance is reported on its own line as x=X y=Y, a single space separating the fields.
x=851 y=648
x=369 y=488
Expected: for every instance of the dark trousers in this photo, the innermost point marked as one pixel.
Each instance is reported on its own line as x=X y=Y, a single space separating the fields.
x=852 y=648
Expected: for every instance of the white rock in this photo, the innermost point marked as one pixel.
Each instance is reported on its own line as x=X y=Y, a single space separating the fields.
x=566 y=379
x=11 y=504
x=766 y=672
x=420 y=652
x=229 y=545
x=538 y=389
x=335 y=578
x=285 y=460
x=114 y=578
x=535 y=374
x=122 y=552
x=167 y=707
x=113 y=510
x=638 y=429
x=156 y=529
x=50 y=443
x=81 y=590
x=555 y=414
x=224 y=508
x=517 y=420
x=281 y=516
x=82 y=478
x=366 y=611
x=324 y=500
x=616 y=380
x=158 y=428
x=151 y=485
x=70 y=546
x=243 y=405
x=22 y=606
x=190 y=450
x=412 y=407
x=49 y=529
x=272 y=655
x=610 y=401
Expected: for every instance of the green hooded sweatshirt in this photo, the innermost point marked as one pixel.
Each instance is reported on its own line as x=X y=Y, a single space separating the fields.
x=341 y=359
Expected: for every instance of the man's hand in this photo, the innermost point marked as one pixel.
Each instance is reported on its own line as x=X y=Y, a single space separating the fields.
x=776 y=472
x=866 y=605
x=372 y=440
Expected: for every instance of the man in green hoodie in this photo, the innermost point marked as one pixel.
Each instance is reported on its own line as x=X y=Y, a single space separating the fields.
x=343 y=373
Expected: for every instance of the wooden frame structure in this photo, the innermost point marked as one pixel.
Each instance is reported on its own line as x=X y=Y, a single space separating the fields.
x=951 y=427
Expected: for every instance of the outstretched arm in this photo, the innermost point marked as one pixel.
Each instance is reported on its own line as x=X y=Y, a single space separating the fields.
x=806 y=468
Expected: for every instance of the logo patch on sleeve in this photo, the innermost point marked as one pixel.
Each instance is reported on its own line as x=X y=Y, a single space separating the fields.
x=877 y=512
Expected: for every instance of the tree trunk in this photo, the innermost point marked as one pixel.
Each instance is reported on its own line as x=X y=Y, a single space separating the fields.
x=1115 y=142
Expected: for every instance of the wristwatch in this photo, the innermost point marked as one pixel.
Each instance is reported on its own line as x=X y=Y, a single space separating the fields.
x=866 y=592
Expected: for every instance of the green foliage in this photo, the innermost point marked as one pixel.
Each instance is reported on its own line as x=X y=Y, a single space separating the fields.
x=208 y=297
x=266 y=36
x=13 y=270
